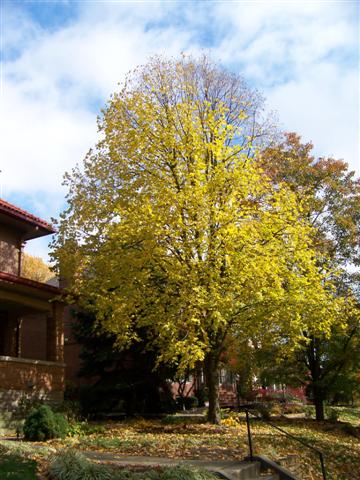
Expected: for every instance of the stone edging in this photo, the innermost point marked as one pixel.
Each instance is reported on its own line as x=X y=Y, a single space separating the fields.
x=30 y=361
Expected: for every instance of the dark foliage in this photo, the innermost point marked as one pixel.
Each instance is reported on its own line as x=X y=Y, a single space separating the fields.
x=120 y=381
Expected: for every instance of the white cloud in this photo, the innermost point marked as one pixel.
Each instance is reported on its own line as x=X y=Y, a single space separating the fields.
x=55 y=81
x=48 y=120
x=305 y=57
x=324 y=108
x=40 y=141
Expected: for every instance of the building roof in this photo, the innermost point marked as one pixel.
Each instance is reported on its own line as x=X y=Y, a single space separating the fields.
x=26 y=282
x=31 y=225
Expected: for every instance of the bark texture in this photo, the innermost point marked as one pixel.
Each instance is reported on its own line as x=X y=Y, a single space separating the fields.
x=212 y=382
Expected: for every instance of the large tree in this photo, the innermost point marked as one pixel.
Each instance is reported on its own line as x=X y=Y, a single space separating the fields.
x=172 y=226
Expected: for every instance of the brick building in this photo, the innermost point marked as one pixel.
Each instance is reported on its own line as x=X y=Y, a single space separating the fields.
x=31 y=318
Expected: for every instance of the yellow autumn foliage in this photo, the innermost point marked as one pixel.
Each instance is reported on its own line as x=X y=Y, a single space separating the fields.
x=172 y=226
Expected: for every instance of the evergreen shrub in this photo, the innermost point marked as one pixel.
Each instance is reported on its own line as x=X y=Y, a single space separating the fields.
x=43 y=424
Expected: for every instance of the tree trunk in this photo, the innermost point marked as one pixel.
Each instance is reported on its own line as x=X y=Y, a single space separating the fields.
x=318 y=402
x=314 y=363
x=212 y=383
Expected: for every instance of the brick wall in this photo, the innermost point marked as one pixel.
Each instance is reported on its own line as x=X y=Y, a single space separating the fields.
x=33 y=378
x=33 y=337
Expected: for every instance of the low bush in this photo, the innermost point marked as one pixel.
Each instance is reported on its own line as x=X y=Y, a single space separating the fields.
x=269 y=409
x=43 y=424
x=186 y=403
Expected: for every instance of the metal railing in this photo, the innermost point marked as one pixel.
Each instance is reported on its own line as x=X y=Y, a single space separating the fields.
x=251 y=453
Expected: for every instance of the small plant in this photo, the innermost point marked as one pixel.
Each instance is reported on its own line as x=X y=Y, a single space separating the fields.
x=43 y=424
x=276 y=409
x=72 y=465
x=332 y=415
x=224 y=412
x=71 y=409
x=79 y=429
x=264 y=409
x=230 y=422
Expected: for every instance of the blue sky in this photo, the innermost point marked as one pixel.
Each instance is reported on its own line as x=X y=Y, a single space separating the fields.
x=61 y=60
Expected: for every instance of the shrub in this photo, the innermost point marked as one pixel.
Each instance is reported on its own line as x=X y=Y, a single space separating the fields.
x=309 y=411
x=43 y=424
x=72 y=465
x=264 y=409
x=71 y=409
x=27 y=403
x=187 y=402
x=268 y=409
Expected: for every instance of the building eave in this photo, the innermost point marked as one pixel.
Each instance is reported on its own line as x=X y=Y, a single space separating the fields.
x=31 y=225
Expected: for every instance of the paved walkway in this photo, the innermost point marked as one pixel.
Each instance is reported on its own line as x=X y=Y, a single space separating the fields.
x=230 y=469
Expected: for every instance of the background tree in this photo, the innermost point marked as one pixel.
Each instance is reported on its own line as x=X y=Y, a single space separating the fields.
x=35 y=268
x=173 y=227
x=331 y=193
x=331 y=203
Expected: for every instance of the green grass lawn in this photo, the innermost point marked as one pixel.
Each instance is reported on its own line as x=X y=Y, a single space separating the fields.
x=15 y=467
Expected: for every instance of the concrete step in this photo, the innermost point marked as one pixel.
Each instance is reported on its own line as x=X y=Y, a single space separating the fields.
x=233 y=470
x=267 y=477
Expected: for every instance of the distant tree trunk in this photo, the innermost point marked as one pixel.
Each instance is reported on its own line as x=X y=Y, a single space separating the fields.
x=314 y=363
x=212 y=383
x=318 y=402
